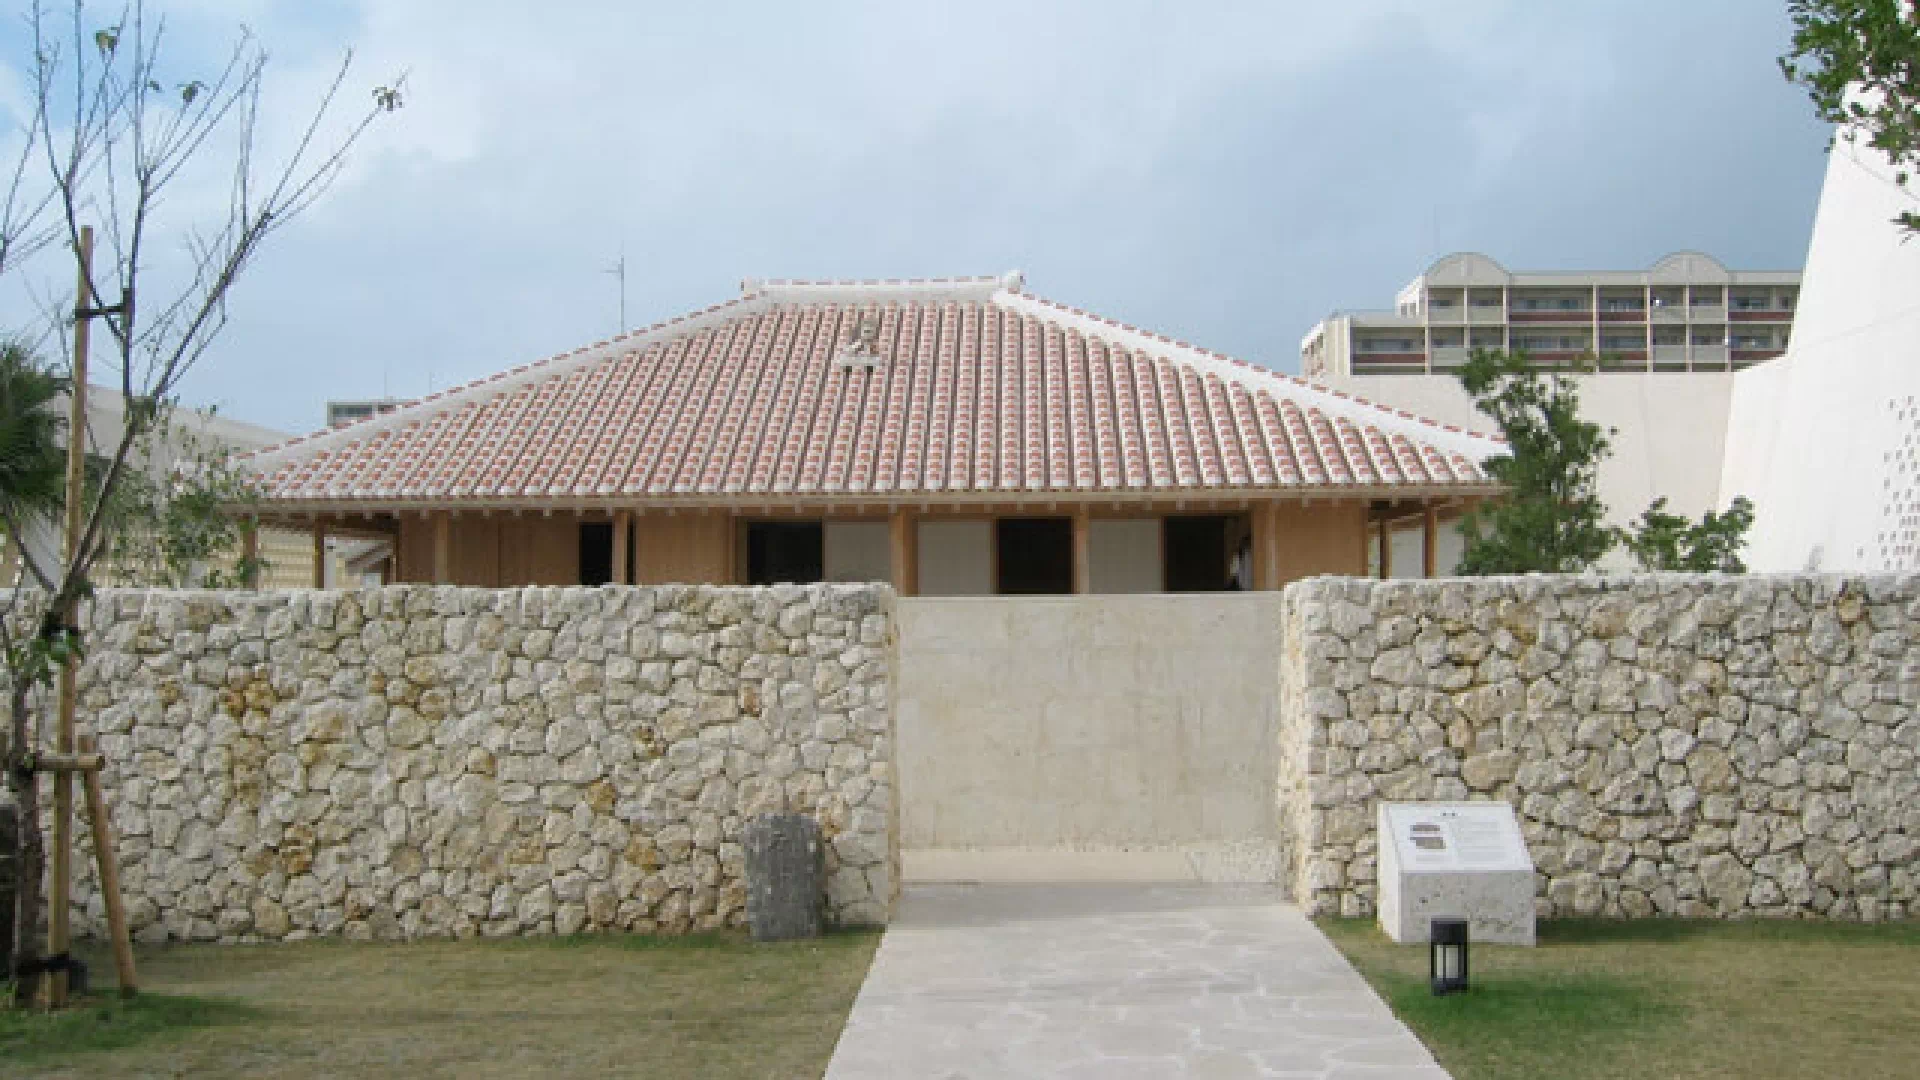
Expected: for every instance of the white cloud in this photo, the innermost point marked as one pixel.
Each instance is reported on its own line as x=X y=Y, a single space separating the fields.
x=1226 y=172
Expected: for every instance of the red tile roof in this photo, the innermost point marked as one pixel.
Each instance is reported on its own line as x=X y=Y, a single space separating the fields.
x=971 y=387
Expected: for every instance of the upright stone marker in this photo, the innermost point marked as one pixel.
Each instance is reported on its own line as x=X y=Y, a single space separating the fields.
x=1463 y=860
x=786 y=877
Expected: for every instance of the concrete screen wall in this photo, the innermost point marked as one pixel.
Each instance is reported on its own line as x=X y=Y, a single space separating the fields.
x=1093 y=722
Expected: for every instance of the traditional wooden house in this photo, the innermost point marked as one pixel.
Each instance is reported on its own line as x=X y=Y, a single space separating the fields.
x=952 y=437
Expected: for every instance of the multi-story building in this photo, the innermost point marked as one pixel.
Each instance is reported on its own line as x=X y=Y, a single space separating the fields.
x=1685 y=313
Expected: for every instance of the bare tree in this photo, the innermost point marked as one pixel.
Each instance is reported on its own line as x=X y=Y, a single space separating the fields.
x=114 y=132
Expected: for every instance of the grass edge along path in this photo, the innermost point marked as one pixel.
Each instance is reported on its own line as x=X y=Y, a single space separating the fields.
x=707 y=1005
x=106 y=1023
x=1664 y=998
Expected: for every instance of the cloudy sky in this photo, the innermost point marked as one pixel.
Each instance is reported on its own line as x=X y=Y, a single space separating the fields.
x=1224 y=173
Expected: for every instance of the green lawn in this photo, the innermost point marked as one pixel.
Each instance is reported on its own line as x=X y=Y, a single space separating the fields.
x=704 y=1007
x=1667 y=999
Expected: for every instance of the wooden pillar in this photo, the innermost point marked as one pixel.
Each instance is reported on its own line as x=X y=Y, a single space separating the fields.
x=1082 y=565
x=1266 y=546
x=737 y=550
x=1430 y=542
x=319 y=554
x=442 y=549
x=904 y=552
x=1386 y=549
x=1366 y=540
x=250 y=554
x=622 y=527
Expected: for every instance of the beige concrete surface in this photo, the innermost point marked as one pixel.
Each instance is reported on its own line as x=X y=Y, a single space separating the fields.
x=1116 y=982
x=1255 y=863
x=1088 y=722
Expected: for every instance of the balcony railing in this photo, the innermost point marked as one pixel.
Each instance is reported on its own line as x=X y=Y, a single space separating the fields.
x=1623 y=315
x=1560 y=358
x=1670 y=357
x=1450 y=315
x=1623 y=359
x=1389 y=361
x=1709 y=312
x=1709 y=355
x=1550 y=315
x=1450 y=356
x=1670 y=313
x=1760 y=315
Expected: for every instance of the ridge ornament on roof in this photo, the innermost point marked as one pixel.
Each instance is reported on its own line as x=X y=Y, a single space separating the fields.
x=973 y=390
x=862 y=348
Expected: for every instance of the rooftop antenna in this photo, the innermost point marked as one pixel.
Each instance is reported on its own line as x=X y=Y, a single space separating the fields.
x=619 y=271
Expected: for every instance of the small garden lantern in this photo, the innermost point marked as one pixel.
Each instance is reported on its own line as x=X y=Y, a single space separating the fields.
x=1447 y=956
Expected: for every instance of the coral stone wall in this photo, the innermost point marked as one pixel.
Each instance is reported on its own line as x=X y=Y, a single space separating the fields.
x=1674 y=745
x=421 y=760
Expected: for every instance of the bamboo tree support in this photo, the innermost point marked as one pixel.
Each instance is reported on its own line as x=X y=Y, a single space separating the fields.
x=88 y=763
x=58 y=936
x=67 y=759
x=108 y=864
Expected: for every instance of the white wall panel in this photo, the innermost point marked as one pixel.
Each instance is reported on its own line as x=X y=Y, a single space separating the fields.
x=956 y=558
x=1124 y=555
x=857 y=551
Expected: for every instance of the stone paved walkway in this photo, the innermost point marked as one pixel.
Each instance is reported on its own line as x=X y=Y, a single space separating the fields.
x=1116 y=982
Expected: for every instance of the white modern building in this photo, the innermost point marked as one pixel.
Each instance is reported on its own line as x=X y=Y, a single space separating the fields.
x=1826 y=440
x=1686 y=313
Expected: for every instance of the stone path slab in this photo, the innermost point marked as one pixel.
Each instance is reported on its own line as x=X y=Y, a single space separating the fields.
x=1116 y=982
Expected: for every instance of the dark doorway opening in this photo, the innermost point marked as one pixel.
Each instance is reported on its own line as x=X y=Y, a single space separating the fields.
x=1035 y=555
x=1197 y=554
x=785 y=551
x=596 y=552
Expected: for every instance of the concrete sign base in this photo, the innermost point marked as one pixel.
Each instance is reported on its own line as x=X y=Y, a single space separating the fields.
x=1455 y=861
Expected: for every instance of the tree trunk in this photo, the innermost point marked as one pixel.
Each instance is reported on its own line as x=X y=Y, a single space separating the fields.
x=30 y=864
